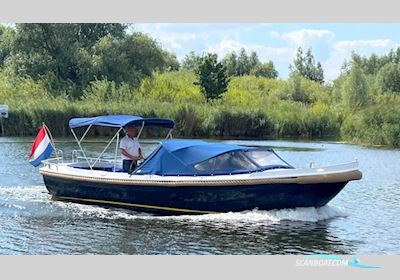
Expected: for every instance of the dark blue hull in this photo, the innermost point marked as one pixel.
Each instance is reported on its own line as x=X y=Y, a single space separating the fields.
x=194 y=199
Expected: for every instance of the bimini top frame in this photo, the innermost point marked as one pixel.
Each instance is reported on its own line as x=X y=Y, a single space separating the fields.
x=117 y=121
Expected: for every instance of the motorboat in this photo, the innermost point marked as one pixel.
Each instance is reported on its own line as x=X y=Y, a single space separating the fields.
x=190 y=176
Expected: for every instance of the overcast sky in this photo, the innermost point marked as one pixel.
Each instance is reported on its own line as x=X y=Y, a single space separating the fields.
x=331 y=43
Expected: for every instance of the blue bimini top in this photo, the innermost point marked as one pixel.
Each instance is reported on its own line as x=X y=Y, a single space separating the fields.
x=120 y=121
x=200 y=158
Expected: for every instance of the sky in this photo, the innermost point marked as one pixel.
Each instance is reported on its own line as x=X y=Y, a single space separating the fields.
x=331 y=43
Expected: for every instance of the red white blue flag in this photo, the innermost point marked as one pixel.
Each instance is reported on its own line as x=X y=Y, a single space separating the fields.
x=41 y=148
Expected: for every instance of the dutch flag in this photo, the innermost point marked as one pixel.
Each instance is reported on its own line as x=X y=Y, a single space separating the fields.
x=41 y=148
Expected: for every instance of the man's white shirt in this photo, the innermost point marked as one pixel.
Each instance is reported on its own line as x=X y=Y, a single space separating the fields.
x=130 y=145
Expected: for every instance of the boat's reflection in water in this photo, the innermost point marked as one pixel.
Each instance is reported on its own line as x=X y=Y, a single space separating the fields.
x=176 y=235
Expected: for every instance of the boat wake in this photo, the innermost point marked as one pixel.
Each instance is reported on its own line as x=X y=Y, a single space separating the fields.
x=303 y=214
x=35 y=201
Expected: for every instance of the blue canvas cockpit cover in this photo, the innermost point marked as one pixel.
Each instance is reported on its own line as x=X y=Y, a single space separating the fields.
x=120 y=121
x=178 y=157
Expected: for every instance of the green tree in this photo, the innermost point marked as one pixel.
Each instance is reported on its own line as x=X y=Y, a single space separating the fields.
x=129 y=59
x=318 y=74
x=244 y=63
x=59 y=50
x=306 y=66
x=266 y=70
x=191 y=61
x=171 y=62
x=90 y=33
x=394 y=55
x=230 y=63
x=371 y=65
x=212 y=76
x=7 y=36
x=355 y=89
x=298 y=66
x=296 y=90
x=388 y=78
x=67 y=57
x=253 y=61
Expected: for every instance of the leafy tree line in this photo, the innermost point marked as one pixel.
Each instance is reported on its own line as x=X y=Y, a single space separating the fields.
x=67 y=57
x=236 y=64
x=233 y=65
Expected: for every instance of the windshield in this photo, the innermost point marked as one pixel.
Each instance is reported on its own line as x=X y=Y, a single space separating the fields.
x=229 y=162
x=265 y=158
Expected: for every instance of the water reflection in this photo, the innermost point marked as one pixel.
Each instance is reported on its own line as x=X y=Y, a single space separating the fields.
x=212 y=238
x=63 y=235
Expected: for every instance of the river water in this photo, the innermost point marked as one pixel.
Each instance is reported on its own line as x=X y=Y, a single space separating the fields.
x=362 y=219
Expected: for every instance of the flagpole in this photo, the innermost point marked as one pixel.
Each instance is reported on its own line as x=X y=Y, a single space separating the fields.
x=51 y=138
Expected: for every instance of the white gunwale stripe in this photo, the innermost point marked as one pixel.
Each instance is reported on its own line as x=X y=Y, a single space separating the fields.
x=311 y=179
